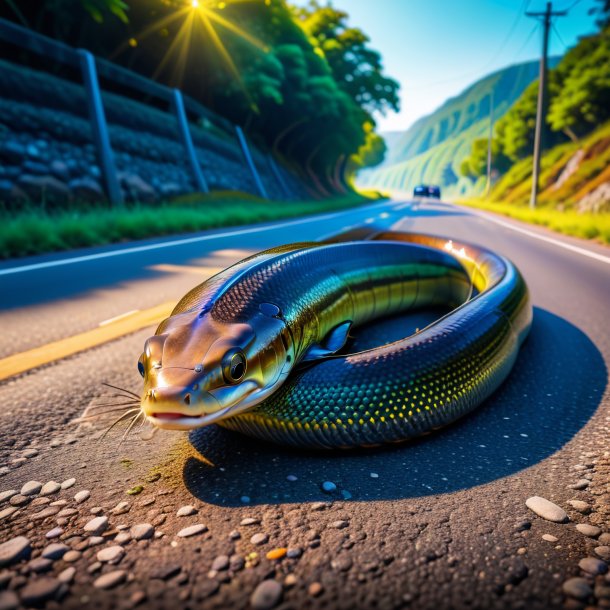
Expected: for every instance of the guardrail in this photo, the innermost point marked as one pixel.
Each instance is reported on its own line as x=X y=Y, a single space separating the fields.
x=92 y=68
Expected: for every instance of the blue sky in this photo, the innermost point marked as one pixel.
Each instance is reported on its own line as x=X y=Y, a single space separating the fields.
x=436 y=48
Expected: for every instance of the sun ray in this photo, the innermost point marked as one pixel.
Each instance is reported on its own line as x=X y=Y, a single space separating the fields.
x=178 y=39
x=236 y=30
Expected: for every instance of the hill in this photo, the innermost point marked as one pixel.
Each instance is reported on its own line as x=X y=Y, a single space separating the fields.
x=432 y=149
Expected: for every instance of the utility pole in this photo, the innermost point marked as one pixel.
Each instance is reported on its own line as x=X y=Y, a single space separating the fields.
x=546 y=19
x=489 y=142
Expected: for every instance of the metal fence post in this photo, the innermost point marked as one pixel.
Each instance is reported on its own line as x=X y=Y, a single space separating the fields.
x=99 y=127
x=250 y=161
x=278 y=175
x=187 y=141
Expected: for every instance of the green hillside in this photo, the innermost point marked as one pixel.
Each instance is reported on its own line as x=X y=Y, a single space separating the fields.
x=432 y=149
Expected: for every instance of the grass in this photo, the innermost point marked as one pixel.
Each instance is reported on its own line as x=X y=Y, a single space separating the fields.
x=568 y=222
x=35 y=231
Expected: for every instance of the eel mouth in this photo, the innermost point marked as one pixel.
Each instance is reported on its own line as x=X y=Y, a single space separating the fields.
x=180 y=421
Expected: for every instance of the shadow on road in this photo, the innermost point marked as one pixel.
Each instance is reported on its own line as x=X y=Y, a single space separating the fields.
x=553 y=391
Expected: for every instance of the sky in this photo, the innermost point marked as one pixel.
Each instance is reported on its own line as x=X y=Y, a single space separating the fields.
x=436 y=48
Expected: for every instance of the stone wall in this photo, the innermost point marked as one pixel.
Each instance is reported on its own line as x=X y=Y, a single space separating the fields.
x=47 y=154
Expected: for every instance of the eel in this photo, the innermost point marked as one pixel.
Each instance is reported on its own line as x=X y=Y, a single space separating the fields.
x=258 y=348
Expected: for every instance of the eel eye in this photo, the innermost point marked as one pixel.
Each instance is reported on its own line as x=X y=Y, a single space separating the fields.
x=234 y=367
x=141 y=369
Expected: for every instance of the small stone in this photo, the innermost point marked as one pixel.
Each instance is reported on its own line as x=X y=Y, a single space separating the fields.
x=580 y=506
x=316 y=506
x=111 y=554
x=110 y=580
x=30 y=453
x=186 y=511
x=50 y=488
x=603 y=552
x=592 y=565
x=137 y=597
x=604 y=539
x=192 y=530
x=20 y=500
x=267 y=595
x=49 y=511
x=7 y=495
x=221 y=563
x=40 y=501
x=260 y=538
x=234 y=535
x=549 y=538
x=8 y=600
x=236 y=563
x=123 y=538
x=81 y=496
x=294 y=552
x=7 y=512
x=291 y=478
x=40 y=565
x=55 y=502
x=329 y=487
x=547 y=510
x=592 y=531
x=339 y=525
x=55 y=551
x=580 y=484
x=278 y=553
x=72 y=556
x=142 y=531
x=68 y=483
x=67 y=575
x=315 y=589
x=97 y=525
x=31 y=488
x=342 y=563
x=56 y=532
x=134 y=491
x=578 y=588
x=121 y=508
x=290 y=580
x=95 y=567
x=14 y=550
x=39 y=591
x=166 y=572
x=250 y=521
x=96 y=510
x=95 y=541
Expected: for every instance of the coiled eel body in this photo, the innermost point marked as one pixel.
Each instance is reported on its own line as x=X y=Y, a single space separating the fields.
x=384 y=395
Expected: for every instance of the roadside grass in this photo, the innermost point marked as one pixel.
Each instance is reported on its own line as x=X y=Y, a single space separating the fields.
x=35 y=231
x=568 y=222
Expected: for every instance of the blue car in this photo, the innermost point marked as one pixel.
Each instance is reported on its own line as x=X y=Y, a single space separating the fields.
x=425 y=190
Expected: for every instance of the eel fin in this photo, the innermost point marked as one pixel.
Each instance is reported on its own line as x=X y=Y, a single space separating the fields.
x=331 y=344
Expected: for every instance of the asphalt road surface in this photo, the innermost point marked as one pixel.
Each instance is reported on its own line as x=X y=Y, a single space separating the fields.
x=434 y=524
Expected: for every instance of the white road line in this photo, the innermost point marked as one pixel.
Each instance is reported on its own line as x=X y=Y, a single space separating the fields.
x=171 y=244
x=119 y=317
x=550 y=240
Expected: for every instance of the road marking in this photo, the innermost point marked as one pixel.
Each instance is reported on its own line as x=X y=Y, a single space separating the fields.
x=20 y=363
x=119 y=317
x=550 y=240
x=175 y=242
x=207 y=271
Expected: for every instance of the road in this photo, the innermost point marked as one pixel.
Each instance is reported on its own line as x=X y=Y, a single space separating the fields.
x=439 y=523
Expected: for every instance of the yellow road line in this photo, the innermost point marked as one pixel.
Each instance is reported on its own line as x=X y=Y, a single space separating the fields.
x=207 y=271
x=19 y=363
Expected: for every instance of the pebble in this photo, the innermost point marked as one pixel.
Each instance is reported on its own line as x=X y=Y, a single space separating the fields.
x=50 y=488
x=260 y=538
x=96 y=526
x=546 y=509
x=339 y=525
x=292 y=478
x=604 y=539
x=55 y=502
x=96 y=510
x=7 y=512
x=142 y=531
x=329 y=487
x=315 y=589
x=580 y=506
x=589 y=530
x=30 y=453
x=294 y=552
x=39 y=565
x=549 y=538
x=166 y=572
x=137 y=597
x=56 y=532
x=580 y=484
x=94 y=567
x=186 y=511
x=110 y=580
x=220 y=563
x=111 y=554
x=123 y=538
x=290 y=580
x=7 y=495
x=250 y=521
x=81 y=496
x=236 y=563
x=374 y=475
x=55 y=551
x=14 y=550
x=234 y=535
x=68 y=483
x=95 y=540
x=578 y=588
x=67 y=575
x=19 y=500
x=39 y=591
x=31 y=488
x=266 y=595
x=316 y=506
x=46 y=512
x=8 y=600
x=279 y=553
x=342 y=563
x=121 y=508
x=72 y=556
x=592 y=565
x=192 y=530
x=603 y=552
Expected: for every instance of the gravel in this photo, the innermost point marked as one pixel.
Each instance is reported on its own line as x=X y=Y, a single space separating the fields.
x=546 y=509
x=266 y=595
